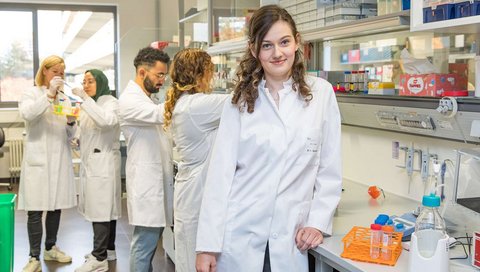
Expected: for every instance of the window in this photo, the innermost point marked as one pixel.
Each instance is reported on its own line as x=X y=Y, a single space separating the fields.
x=84 y=36
x=16 y=54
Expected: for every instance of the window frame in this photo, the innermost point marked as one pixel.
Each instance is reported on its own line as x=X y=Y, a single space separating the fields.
x=34 y=8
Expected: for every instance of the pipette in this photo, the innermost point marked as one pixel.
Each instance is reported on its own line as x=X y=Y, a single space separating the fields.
x=71 y=96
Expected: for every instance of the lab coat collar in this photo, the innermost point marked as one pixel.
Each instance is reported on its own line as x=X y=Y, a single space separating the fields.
x=132 y=85
x=287 y=86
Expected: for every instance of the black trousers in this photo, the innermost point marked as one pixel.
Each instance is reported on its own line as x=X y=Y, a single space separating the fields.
x=103 y=238
x=35 y=230
x=266 y=261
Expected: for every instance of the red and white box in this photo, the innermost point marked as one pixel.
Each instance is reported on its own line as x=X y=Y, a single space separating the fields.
x=427 y=84
x=476 y=249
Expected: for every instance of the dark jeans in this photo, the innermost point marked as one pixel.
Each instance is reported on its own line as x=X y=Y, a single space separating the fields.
x=35 y=230
x=266 y=261
x=103 y=238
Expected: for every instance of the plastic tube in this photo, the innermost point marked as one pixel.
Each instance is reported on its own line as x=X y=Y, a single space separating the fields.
x=386 y=242
x=375 y=240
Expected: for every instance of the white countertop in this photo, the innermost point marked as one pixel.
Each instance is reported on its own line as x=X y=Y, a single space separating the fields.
x=356 y=208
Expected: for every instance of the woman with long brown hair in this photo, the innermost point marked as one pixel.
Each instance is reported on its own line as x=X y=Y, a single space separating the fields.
x=274 y=179
x=193 y=115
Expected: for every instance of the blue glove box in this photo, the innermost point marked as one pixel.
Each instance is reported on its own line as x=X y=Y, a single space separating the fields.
x=442 y=12
x=463 y=9
x=475 y=8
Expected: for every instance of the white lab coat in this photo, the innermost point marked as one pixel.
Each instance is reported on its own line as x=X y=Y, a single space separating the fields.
x=100 y=189
x=149 y=167
x=46 y=179
x=195 y=122
x=271 y=173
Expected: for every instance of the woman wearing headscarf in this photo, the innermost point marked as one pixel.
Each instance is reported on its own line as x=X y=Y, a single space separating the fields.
x=99 y=197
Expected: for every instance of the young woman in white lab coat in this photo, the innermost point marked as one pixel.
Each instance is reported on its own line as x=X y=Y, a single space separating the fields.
x=193 y=115
x=46 y=179
x=100 y=184
x=274 y=178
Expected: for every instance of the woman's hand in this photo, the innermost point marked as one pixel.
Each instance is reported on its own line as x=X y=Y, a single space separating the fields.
x=308 y=238
x=206 y=262
x=55 y=85
x=80 y=93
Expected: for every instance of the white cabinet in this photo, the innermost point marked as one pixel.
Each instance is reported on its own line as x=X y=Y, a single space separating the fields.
x=461 y=25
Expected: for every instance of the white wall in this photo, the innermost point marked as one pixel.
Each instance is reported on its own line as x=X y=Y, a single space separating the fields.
x=367 y=159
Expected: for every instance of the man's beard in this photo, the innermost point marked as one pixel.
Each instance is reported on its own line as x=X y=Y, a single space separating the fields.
x=147 y=83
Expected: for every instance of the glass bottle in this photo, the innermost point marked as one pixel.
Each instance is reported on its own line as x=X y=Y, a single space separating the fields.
x=429 y=226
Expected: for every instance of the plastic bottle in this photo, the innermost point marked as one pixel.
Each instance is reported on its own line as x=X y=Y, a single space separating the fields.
x=386 y=242
x=347 y=79
x=375 y=240
x=430 y=226
x=76 y=109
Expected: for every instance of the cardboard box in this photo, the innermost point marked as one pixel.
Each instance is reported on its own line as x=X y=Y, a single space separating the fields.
x=427 y=84
x=381 y=88
x=461 y=69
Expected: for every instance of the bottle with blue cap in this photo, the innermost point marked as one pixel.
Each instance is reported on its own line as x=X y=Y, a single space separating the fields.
x=429 y=245
x=429 y=218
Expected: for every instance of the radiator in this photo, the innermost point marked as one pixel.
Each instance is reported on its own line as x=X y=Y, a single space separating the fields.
x=16 y=157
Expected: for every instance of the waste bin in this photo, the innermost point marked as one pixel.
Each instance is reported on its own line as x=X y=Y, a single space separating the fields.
x=7 y=228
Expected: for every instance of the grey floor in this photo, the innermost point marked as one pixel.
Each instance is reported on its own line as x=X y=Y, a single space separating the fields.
x=75 y=237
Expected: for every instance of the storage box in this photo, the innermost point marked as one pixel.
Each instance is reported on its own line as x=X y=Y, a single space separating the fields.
x=338 y=19
x=440 y=13
x=427 y=84
x=344 y=58
x=475 y=10
x=354 y=56
x=462 y=9
x=381 y=88
x=461 y=70
x=7 y=231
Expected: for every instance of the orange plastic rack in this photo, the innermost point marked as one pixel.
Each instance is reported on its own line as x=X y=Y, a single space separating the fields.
x=356 y=246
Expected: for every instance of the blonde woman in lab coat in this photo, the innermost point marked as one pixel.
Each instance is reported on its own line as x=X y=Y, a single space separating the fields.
x=99 y=196
x=193 y=116
x=47 y=172
x=274 y=179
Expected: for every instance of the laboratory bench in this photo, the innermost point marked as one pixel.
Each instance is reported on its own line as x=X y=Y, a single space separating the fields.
x=357 y=208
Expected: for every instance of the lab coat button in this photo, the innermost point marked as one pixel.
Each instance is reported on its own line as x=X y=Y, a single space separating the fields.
x=274 y=235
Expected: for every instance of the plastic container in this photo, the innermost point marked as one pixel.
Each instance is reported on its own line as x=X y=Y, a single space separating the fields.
x=387 y=236
x=63 y=108
x=375 y=240
x=440 y=13
x=347 y=80
x=7 y=217
x=430 y=226
x=356 y=246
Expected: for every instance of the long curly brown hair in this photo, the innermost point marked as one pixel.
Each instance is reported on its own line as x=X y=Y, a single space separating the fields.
x=250 y=71
x=191 y=72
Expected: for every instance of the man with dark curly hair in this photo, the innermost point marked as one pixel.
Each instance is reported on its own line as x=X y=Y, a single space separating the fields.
x=149 y=171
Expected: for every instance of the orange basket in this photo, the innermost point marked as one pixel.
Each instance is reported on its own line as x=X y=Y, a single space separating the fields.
x=356 y=246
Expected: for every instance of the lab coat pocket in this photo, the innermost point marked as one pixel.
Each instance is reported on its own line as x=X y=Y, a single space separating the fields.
x=98 y=165
x=310 y=146
x=301 y=215
x=148 y=179
x=35 y=154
